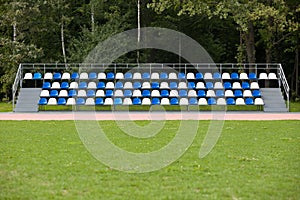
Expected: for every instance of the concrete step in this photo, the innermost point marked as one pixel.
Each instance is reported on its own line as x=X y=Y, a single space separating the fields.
x=273 y=99
x=28 y=100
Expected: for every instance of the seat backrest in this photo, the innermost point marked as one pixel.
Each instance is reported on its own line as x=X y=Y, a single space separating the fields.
x=52 y=101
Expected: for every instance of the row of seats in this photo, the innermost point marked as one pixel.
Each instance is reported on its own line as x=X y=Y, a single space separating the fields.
x=153 y=101
x=149 y=93
x=153 y=85
x=146 y=75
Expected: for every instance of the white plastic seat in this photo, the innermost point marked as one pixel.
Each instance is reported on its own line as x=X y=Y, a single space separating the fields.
x=73 y=85
x=146 y=85
x=259 y=102
x=192 y=93
x=127 y=101
x=263 y=76
x=90 y=102
x=244 y=76
x=218 y=85
x=136 y=93
x=44 y=93
x=272 y=76
x=247 y=93
x=221 y=101
x=101 y=76
x=28 y=76
x=128 y=85
x=236 y=85
x=210 y=93
x=164 y=85
x=190 y=76
x=63 y=93
x=81 y=93
x=184 y=102
x=100 y=93
x=225 y=75
x=229 y=93
x=52 y=101
x=182 y=85
x=48 y=76
x=55 y=85
x=110 y=85
x=66 y=76
x=155 y=93
x=71 y=101
x=165 y=101
x=119 y=93
x=202 y=101
x=83 y=76
x=155 y=76
x=119 y=75
x=174 y=93
x=254 y=85
x=108 y=101
x=200 y=85
x=208 y=76
x=172 y=75
x=240 y=101
x=137 y=75
x=146 y=101
x=92 y=85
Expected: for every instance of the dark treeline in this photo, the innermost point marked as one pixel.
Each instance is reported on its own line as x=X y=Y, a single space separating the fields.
x=57 y=31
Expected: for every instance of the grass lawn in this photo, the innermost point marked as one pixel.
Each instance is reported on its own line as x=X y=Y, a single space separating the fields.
x=252 y=160
x=5 y=107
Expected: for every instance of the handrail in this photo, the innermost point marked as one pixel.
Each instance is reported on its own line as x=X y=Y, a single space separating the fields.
x=285 y=85
x=15 y=85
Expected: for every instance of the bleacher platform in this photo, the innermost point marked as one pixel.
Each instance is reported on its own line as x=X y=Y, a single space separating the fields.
x=150 y=84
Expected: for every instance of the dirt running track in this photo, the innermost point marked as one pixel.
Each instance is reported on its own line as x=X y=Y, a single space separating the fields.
x=149 y=116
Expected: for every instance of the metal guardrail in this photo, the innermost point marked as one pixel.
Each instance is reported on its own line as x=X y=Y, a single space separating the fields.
x=285 y=85
x=18 y=80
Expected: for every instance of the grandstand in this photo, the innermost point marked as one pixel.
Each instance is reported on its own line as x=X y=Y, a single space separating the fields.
x=149 y=84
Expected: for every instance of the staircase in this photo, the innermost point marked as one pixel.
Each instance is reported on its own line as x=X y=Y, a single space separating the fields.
x=28 y=100
x=273 y=100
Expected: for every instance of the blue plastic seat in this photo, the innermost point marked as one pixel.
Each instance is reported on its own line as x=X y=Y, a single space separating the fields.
x=43 y=101
x=234 y=76
x=64 y=85
x=118 y=101
x=109 y=93
x=211 y=101
x=74 y=75
x=137 y=85
x=249 y=101
x=193 y=101
x=220 y=93
x=80 y=101
x=165 y=93
x=99 y=101
x=53 y=93
x=155 y=101
x=61 y=101
x=146 y=75
x=217 y=75
x=230 y=101
x=245 y=85
x=174 y=101
x=92 y=75
x=238 y=93
x=252 y=76
x=56 y=76
x=82 y=85
x=47 y=85
x=100 y=85
x=191 y=85
x=227 y=86
x=183 y=93
x=209 y=85
x=199 y=76
x=163 y=75
x=128 y=75
x=37 y=76
x=201 y=93
x=110 y=76
x=146 y=93
x=173 y=85
x=119 y=85
x=72 y=93
x=155 y=85
x=181 y=75
x=91 y=93
x=256 y=93
x=127 y=93
x=136 y=101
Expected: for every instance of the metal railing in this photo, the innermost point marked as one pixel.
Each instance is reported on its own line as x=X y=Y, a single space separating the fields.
x=18 y=80
x=285 y=85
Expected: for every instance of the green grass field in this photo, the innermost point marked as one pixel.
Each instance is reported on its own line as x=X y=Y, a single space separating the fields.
x=252 y=160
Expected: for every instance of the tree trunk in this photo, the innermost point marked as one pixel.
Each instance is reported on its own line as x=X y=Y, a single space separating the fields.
x=250 y=46
x=63 y=42
x=139 y=30
x=297 y=70
x=93 y=18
